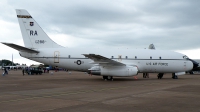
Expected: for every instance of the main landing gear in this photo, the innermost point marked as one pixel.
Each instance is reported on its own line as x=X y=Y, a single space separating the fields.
x=174 y=76
x=160 y=75
x=107 y=78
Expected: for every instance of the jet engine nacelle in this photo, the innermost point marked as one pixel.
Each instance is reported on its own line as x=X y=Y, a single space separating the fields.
x=119 y=71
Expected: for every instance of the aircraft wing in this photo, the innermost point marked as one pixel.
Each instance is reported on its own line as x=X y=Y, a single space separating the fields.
x=20 y=48
x=98 y=59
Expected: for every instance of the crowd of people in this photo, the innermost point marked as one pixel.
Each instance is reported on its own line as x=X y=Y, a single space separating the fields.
x=31 y=70
x=34 y=70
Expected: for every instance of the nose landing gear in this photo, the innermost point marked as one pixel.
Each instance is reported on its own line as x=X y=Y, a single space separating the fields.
x=160 y=75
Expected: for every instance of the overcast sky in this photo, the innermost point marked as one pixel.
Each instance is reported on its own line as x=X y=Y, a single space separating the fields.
x=168 y=24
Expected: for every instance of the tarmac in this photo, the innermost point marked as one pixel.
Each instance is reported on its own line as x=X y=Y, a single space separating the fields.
x=79 y=92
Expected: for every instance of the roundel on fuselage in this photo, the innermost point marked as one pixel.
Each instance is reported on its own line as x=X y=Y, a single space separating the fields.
x=78 y=62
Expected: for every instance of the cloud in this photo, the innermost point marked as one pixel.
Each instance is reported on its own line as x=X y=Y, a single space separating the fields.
x=169 y=25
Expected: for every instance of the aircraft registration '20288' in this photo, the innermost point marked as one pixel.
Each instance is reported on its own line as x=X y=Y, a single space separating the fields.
x=102 y=62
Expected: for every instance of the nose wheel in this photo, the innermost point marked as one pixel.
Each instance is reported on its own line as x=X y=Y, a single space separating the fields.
x=160 y=75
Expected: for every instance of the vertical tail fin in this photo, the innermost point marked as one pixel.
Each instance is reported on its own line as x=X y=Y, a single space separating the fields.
x=32 y=33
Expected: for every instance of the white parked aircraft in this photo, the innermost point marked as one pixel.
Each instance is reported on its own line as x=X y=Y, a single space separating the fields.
x=103 y=62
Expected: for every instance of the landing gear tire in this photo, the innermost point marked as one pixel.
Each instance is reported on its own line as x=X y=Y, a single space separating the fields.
x=160 y=75
x=107 y=78
x=174 y=76
x=144 y=75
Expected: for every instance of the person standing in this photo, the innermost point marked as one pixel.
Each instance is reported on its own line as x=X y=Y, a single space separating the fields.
x=6 y=71
x=23 y=71
x=47 y=70
x=3 y=72
x=44 y=69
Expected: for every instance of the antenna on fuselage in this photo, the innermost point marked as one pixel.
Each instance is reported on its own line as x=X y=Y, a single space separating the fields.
x=151 y=46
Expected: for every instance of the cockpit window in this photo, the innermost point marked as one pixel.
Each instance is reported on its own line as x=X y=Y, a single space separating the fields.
x=185 y=57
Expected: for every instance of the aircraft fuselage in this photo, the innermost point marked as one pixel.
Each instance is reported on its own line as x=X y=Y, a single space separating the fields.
x=150 y=61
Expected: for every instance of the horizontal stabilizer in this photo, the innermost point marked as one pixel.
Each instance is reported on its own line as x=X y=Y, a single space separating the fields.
x=20 y=48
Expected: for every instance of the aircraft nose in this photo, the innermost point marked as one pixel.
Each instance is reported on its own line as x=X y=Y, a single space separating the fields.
x=195 y=64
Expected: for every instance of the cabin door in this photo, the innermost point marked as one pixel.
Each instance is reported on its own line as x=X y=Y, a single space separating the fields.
x=56 y=56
